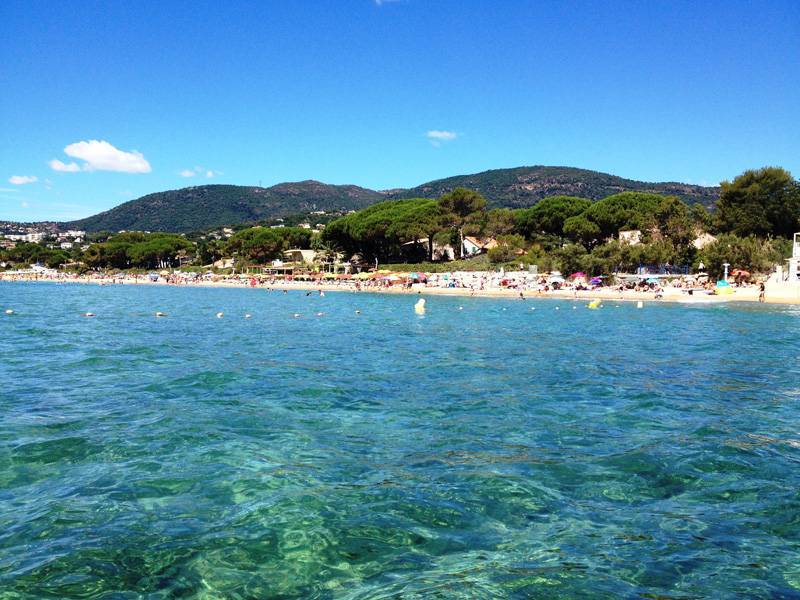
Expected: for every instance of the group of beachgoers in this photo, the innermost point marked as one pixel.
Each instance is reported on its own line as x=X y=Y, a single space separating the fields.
x=518 y=283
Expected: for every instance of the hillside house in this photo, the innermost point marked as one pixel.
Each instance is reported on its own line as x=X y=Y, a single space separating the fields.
x=473 y=246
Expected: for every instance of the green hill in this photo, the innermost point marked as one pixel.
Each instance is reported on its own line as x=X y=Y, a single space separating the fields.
x=525 y=186
x=208 y=206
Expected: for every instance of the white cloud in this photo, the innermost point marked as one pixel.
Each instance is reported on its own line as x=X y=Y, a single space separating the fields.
x=187 y=173
x=209 y=174
x=24 y=204
x=61 y=167
x=22 y=179
x=99 y=155
x=440 y=135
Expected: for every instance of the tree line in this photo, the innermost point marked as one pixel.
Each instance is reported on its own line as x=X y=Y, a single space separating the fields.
x=753 y=219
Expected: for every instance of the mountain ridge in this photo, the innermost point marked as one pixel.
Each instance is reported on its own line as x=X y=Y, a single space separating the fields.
x=204 y=207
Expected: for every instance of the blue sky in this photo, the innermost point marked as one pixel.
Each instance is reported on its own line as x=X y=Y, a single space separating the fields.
x=130 y=97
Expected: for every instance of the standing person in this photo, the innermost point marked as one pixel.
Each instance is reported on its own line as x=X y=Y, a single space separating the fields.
x=761 y=292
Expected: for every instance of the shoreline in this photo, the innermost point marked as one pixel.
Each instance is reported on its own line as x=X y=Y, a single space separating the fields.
x=669 y=295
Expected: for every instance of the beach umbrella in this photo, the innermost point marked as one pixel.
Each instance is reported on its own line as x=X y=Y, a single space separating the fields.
x=578 y=274
x=329 y=276
x=595 y=280
x=723 y=283
x=344 y=276
x=651 y=280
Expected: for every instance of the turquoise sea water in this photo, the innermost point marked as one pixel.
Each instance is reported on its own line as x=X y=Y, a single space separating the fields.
x=489 y=452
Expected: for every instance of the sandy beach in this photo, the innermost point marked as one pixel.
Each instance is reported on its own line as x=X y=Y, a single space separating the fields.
x=667 y=294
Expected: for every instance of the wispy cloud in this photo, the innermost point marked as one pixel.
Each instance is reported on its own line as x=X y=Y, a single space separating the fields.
x=9 y=190
x=22 y=179
x=99 y=155
x=382 y=2
x=437 y=137
x=61 y=167
x=200 y=172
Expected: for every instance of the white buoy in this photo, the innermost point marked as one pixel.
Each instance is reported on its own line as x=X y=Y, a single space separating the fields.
x=533 y=308
x=640 y=304
x=320 y=314
x=88 y=314
x=358 y=312
x=419 y=307
x=220 y=315
x=161 y=314
x=574 y=308
x=460 y=308
x=557 y=308
x=247 y=316
x=296 y=315
x=9 y=311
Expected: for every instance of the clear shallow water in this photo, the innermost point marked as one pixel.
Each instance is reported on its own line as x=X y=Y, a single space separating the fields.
x=490 y=452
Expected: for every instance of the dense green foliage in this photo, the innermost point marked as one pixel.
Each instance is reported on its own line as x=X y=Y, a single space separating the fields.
x=142 y=250
x=30 y=253
x=549 y=215
x=523 y=187
x=756 y=214
x=764 y=202
x=380 y=230
x=209 y=206
x=575 y=234
x=205 y=207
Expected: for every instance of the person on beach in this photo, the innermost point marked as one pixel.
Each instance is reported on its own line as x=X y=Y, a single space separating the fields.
x=761 y=292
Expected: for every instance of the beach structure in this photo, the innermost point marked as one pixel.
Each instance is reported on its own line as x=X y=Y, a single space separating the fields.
x=299 y=255
x=473 y=245
x=784 y=284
